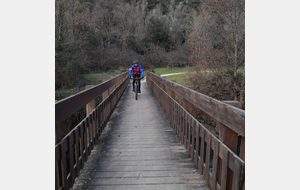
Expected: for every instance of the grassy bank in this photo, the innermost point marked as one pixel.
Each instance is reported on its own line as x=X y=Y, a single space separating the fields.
x=88 y=79
x=96 y=78
x=168 y=70
x=180 y=79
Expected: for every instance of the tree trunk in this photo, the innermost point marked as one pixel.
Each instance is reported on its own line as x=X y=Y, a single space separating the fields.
x=73 y=28
x=60 y=20
x=235 y=67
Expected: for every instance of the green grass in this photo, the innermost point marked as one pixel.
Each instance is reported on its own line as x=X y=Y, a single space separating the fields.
x=170 y=70
x=180 y=79
x=89 y=79
x=96 y=78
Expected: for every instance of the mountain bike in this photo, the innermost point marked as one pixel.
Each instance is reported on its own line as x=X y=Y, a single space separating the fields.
x=136 y=86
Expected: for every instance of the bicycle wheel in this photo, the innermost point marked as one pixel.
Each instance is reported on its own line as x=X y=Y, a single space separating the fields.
x=135 y=90
x=136 y=94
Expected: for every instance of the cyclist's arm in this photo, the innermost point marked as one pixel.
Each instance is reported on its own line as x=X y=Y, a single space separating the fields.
x=142 y=71
x=130 y=71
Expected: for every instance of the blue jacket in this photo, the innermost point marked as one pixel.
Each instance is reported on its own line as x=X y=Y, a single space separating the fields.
x=141 y=70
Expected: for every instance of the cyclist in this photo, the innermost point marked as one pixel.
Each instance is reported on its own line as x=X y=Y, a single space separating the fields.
x=136 y=70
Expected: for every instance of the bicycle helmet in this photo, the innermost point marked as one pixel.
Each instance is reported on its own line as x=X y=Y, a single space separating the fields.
x=135 y=61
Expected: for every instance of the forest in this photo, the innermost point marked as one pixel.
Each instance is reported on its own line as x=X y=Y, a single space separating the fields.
x=205 y=35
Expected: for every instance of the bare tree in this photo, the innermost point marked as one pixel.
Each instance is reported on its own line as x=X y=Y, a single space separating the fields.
x=216 y=44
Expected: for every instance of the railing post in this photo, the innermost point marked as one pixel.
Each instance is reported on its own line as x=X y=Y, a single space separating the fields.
x=242 y=148
x=105 y=93
x=228 y=137
x=77 y=146
x=89 y=108
x=228 y=153
x=172 y=94
x=91 y=105
x=57 y=133
x=188 y=106
x=163 y=87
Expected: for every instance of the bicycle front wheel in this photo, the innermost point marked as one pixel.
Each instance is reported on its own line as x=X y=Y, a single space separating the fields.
x=136 y=91
x=136 y=95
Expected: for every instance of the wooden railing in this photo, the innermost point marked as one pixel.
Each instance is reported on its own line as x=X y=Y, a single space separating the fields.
x=73 y=150
x=221 y=166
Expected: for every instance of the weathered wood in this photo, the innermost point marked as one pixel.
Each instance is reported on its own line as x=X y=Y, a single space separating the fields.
x=96 y=115
x=92 y=104
x=190 y=141
x=64 y=146
x=142 y=151
x=185 y=131
x=230 y=116
x=236 y=176
x=178 y=120
x=215 y=147
x=200 y=162
x=228 y=168
x=73 y=150
x=87 y=136
x=163 y=87
x=172 y=94
x=91 y=127
x=182 y=122
x=81 y=148
x=57 y=173
x=71 y=158
x=188 y=106
x=243 y=176
x=207 y=159
x=233 y=103
x=228 y=137
x=66 y=107
x=224 y=169
x=77 y=150
x=197 y=144
x=229 y=179
x=193 y=136
x=242 y=149
x=235 y=165
x=58 y=135
x=219 y=169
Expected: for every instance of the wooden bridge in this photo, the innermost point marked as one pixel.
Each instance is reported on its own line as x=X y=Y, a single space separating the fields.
x=152 y=143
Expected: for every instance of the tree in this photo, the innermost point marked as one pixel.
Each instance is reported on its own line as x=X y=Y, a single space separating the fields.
x=217 y=47
x=92 y=36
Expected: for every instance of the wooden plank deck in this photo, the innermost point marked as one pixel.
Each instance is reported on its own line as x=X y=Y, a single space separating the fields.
x=139 y=150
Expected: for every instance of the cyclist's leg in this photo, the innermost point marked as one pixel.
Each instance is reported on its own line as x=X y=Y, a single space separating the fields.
x=139 y=85
x=133 y=84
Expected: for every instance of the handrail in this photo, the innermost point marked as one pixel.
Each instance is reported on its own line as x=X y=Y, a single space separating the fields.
x=220 y=166
x=232 y=117
x=66 y=107
x=73 y=150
